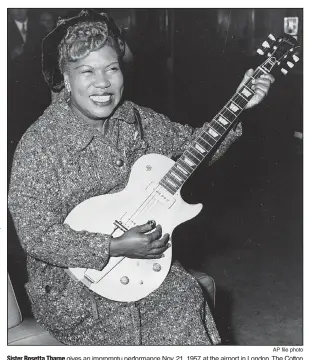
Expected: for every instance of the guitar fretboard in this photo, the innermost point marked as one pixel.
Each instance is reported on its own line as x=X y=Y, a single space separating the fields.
x=212 y=135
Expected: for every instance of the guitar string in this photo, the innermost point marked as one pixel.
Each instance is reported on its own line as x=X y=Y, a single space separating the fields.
x=145 y=207
x=144 y=203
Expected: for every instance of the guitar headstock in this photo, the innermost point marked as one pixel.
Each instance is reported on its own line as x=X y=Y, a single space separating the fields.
x=282 y=51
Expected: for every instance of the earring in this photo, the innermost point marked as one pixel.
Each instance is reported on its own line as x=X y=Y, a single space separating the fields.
x=67 y=86
x=67 y=91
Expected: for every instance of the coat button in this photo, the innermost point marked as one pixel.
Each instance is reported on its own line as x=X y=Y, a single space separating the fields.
x=47 y=289
x=119 y=162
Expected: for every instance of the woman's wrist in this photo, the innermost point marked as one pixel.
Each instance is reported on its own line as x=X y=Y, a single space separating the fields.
x=114 y=249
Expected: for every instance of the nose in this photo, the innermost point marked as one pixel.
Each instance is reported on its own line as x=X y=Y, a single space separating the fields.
x=101 y=80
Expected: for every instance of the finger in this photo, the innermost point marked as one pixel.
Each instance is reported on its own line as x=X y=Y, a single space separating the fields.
x=159 y=251
x=150 y=225
x=161 y=242
x=264 y=85
x=262 y=81
x=268 y=77
x=154 y=256
x=248 y=74
x=246 y=77
x=156 y=234
x=261 y=92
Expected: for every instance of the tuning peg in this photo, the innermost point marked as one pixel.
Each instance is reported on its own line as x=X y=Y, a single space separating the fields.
x=295 y=58
x=284 y=71
x=271 y=37
x=260 y=51
x=290 y=64
x=265 y=44
x=269 y=54
x=275 y=47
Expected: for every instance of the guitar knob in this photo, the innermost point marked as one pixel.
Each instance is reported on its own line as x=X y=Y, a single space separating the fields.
x=290 y=64
x=284 y=71
x=260 y=51
x=156 y=267
x=124 y=280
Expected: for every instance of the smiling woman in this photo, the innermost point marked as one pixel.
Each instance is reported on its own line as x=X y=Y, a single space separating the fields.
x=95 y=84
x=85 y=145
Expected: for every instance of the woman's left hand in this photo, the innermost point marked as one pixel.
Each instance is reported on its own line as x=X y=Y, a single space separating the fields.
x=260 y=87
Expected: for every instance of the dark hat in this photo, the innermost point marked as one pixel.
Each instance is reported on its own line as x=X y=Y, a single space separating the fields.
x=50 y=67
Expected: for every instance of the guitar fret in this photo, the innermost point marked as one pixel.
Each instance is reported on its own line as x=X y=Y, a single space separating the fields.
x=239 y=101
x=187 y=163
x=208 y=141
x=217 y=122
x=224 y=121
x=178 y=172
x=181 y=169
x=263 y=70
x=235 y=106
x=230 y=112
x=242 y=96
x=190 y=159
x=247 y=91
x=173 y=181
x=175 y=175
x=218 y=127
x=168 y=186
x=195 y=153
x=212 y=133
x=200 y=148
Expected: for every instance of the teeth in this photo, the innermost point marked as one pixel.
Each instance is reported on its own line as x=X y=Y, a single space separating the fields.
x=103 y=98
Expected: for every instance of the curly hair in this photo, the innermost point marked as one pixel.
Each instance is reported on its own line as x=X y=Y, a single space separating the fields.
x=85 y=37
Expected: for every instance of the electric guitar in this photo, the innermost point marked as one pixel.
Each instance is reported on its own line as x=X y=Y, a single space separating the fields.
x=153 y=192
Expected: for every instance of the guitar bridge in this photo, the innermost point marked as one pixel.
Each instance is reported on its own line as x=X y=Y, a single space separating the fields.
x=119 y=225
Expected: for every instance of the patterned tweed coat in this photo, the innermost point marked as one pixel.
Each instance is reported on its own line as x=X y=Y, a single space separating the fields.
x=61 y=161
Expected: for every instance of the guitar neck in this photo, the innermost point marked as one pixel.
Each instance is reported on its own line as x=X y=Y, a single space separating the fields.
x=212 y=136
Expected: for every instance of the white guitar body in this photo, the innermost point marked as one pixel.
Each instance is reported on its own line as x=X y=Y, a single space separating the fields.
x=125 y=279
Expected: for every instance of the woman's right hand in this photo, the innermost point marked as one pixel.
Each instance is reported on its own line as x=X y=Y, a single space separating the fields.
x=140 y=243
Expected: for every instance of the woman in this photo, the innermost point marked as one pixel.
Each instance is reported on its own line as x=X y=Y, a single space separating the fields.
x=82 y=146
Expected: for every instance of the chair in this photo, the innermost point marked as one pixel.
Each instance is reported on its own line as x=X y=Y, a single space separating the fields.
x=24 y=331
x=207 y=284
x=29 y=332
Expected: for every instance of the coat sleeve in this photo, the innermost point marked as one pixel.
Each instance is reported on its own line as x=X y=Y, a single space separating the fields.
x=171 y=139
x=36 y=207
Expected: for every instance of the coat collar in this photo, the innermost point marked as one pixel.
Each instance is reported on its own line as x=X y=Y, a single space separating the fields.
x=76 y=133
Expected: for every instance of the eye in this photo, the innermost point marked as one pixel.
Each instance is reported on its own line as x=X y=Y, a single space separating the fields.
x=114 y=68
x=87 y=71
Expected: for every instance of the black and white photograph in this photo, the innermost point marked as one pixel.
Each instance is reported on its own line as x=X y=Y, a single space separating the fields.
x=155 y=178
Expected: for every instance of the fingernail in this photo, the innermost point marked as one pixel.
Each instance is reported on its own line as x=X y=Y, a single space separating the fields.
x=152 y=223
x=253 y=81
